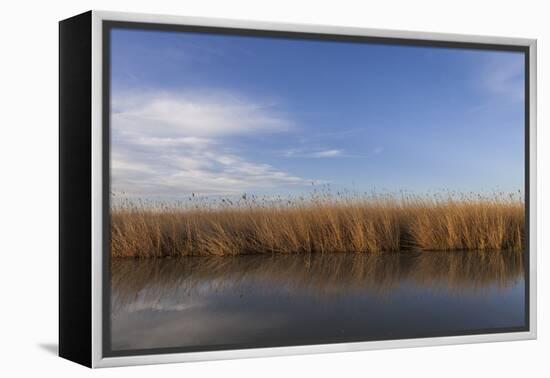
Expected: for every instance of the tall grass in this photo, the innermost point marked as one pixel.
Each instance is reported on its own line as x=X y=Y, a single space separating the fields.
x=320 y=223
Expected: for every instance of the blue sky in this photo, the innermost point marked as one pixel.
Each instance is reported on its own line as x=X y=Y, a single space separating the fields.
x=222 y=115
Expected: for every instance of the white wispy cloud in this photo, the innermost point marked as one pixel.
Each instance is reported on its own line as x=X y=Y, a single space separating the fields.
x=166 y=114
x=315 y=154
x=311 y=153
x=327 y=153
x=172 y=144
x=504 y=75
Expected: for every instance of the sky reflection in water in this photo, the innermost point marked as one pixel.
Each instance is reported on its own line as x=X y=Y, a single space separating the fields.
x=243 y=301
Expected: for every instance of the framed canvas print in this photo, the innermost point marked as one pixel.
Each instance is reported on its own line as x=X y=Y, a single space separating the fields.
x=236 y=189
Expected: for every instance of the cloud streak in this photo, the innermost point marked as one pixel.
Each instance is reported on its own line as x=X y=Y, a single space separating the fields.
x=505 y=76
x=313 y=154
x=327 y=153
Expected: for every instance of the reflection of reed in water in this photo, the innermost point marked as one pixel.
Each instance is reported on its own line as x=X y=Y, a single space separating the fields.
x=149 y=281
x=468 y=271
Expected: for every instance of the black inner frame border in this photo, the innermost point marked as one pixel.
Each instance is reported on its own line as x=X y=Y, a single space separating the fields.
x=108 y=25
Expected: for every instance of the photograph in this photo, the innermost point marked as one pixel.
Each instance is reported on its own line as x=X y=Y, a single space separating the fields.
x=272 y=189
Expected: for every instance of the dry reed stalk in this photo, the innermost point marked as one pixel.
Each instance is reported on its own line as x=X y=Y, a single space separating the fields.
x=363 y=225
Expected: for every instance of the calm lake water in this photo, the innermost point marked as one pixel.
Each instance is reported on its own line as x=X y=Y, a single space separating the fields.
x=215 y=302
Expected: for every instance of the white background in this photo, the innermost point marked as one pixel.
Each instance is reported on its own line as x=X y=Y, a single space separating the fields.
x=29 y=206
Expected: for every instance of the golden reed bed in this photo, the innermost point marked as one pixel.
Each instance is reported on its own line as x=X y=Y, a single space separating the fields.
x=319 y=224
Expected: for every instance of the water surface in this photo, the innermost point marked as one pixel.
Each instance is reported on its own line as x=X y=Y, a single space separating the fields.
x=199 y=303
